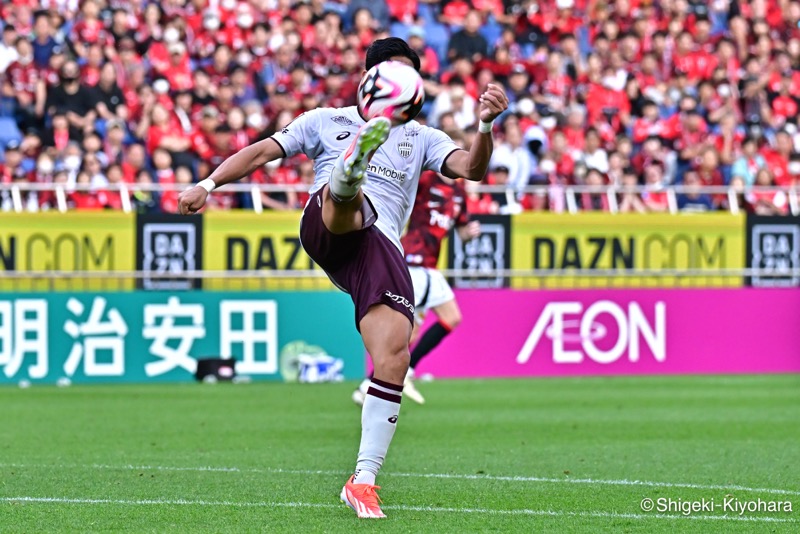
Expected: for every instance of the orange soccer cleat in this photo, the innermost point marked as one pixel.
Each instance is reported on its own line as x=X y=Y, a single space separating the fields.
x=363 y=499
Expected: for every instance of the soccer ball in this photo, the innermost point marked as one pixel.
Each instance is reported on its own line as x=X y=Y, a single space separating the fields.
x=391 y=89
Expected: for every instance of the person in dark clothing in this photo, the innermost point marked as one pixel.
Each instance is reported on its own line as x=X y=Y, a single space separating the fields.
x=467 y=42
x=73 y=100
x=43 y=41
x=108 y=96
x=144 y=199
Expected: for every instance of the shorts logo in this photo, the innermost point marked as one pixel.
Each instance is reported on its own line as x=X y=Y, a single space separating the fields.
x=393 y=419
x=400 y=300
x=341 y=120
x=405 y=149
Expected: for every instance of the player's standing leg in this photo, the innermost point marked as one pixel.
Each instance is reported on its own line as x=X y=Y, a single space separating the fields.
x=386 y=333
x=385 y=330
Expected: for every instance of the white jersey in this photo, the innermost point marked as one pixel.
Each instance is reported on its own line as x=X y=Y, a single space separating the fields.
x=393 y=174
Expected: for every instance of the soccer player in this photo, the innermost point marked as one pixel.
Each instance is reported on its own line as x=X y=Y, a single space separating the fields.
x=365 y=185
x=441 y=204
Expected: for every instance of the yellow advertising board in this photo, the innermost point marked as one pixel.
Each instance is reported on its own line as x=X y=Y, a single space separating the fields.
x=600 y=241
x=96 y=242
x=248 y=241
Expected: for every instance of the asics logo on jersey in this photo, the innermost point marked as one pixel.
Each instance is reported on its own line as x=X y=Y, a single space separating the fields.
x=400 y=300
x=341 y=120
x=386 y=172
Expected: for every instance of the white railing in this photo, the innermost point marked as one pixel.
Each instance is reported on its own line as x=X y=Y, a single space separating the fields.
x=569 y=193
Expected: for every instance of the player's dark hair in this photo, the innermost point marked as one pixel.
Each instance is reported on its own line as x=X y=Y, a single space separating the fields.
x=385 y=49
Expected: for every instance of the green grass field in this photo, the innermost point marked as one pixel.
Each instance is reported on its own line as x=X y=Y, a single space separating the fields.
x=576 y=455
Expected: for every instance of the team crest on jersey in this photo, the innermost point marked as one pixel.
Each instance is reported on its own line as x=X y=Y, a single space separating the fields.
x=341 y=120
x=405 y=149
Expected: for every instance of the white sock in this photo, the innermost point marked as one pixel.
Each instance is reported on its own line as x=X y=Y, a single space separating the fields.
x=378 y=423
x=340 y=190
x=364 y=386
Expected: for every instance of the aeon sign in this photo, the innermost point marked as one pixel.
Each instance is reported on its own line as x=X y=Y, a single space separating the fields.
x=603 y=333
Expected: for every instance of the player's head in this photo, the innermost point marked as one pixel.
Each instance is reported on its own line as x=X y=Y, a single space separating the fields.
x=391 y=48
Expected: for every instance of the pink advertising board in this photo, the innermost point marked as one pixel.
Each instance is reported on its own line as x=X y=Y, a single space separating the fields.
x=507 y=333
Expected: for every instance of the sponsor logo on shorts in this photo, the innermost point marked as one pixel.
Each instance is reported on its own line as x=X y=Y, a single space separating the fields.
x=341 y=120
x=400 y=300
x=386 y=172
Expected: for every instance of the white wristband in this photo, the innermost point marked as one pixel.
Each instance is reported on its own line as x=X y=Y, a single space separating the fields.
x=207 y=184
x=485 y=127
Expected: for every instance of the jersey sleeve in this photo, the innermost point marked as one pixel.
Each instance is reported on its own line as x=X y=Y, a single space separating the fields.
x=301 y=136
x=439 y=146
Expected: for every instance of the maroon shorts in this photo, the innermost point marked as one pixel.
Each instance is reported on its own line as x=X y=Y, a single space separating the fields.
x=365 y=264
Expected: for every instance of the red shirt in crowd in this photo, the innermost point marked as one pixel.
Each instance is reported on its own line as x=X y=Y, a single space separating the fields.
x=89 y=32
x=86 y=200
x=784 y=106
x=644 y=128
x=169 y=199
x=23 y=78
x=601 y=100
x=779 y=167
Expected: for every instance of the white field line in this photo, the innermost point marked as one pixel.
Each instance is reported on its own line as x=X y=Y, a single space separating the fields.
x=404 y=508
x=308 y=472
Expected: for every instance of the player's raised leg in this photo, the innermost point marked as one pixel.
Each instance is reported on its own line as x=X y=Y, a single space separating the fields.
x=343 y=206
x=386 y=333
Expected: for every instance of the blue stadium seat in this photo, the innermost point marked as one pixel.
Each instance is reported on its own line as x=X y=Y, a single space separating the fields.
x=400 y=30
x=437 y=37
x=491 y=31
x=8 y=131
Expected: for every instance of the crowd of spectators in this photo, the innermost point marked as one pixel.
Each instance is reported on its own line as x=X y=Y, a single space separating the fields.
x=624 y=92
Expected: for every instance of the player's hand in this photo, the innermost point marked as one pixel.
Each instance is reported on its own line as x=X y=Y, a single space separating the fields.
x=493 y=102
x=471 y=230
x=192 y=200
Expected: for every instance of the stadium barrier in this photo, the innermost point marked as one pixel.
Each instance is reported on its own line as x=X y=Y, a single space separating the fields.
x=508 y=333
x=566 y=197
x=243 y=250
x=143 y=336
x=592 y=242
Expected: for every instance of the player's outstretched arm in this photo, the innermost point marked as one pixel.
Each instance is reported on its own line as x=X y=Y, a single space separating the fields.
x=234 y=168
x=472 y=165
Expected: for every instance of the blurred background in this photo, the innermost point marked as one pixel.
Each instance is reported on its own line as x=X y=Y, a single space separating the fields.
x=649 y=145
